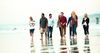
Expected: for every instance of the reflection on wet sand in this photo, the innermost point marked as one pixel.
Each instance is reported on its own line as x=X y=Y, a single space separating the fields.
x=86 y=40
x=74 y=50
x=47 y=46
x=63 y=47
x=50 y=46
x=44 y=48
x=73 y=45
x=87 y=49
x=73 y=41
x=33 y=50
x=32 y=47
x=86 y=46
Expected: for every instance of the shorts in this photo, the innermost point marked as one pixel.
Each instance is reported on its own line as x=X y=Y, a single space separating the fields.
x=31 y=30
x=43 y=30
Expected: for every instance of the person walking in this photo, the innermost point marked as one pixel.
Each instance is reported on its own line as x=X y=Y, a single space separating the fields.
x=50 y=26
x=73 y=20
x=31 y=24
x=85 y=23
x=62 y=20
x=43 y=25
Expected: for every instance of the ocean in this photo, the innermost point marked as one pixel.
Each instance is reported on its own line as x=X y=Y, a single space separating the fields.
x=25 y=26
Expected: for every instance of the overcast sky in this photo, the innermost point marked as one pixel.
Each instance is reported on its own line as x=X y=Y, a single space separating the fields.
x=18 y=11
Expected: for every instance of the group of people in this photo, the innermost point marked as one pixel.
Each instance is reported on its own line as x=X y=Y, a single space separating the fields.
x=46 y=25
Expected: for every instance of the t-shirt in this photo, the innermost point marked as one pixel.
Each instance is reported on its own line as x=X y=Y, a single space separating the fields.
x=31 y=24
x=50 y=22
x=43 y=22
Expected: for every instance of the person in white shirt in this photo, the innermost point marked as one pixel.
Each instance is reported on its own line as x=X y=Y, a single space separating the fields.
x=31 y=24
x=50 y=26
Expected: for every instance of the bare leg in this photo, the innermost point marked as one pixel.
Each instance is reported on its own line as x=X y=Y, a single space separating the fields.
x=31 y=34
x=32 y=37
x=41 y=36
x=45 y=35
x=46 y=39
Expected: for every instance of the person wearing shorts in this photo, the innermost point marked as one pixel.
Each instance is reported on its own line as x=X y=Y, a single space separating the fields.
x=43 y=25
x=31 y=24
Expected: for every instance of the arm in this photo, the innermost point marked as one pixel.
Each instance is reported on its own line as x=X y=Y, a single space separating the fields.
x=68 y=21
x=33 y=22
x=52 y=22
x=40 y=23
x=87 y=20
x=46 y=23
x=76 y=20
x=65 y=20
x=58 y=21
x=83 y=21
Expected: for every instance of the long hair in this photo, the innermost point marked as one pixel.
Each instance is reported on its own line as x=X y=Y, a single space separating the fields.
x=74 y=16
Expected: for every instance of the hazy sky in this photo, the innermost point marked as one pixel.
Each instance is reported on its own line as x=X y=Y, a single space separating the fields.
x=18 y=11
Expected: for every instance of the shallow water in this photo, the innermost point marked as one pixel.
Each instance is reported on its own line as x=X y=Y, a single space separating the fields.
x=18 y=41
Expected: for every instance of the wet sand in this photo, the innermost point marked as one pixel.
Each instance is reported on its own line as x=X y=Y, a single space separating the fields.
x=18 y=41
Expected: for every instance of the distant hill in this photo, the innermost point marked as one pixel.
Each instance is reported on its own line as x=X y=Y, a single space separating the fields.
x=95 y=15
x=92 y=18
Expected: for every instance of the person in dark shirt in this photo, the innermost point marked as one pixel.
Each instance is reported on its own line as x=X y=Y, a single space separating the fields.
x=73 y=20
x=85 y=23
x=43 y=25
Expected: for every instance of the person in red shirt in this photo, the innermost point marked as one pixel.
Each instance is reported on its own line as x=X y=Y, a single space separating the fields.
x=62 y=20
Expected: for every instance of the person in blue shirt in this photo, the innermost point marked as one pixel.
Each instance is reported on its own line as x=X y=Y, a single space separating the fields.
x=50 y=26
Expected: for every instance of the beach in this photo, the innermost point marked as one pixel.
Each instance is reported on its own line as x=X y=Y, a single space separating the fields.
x=18 y=41
x=15 y=34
